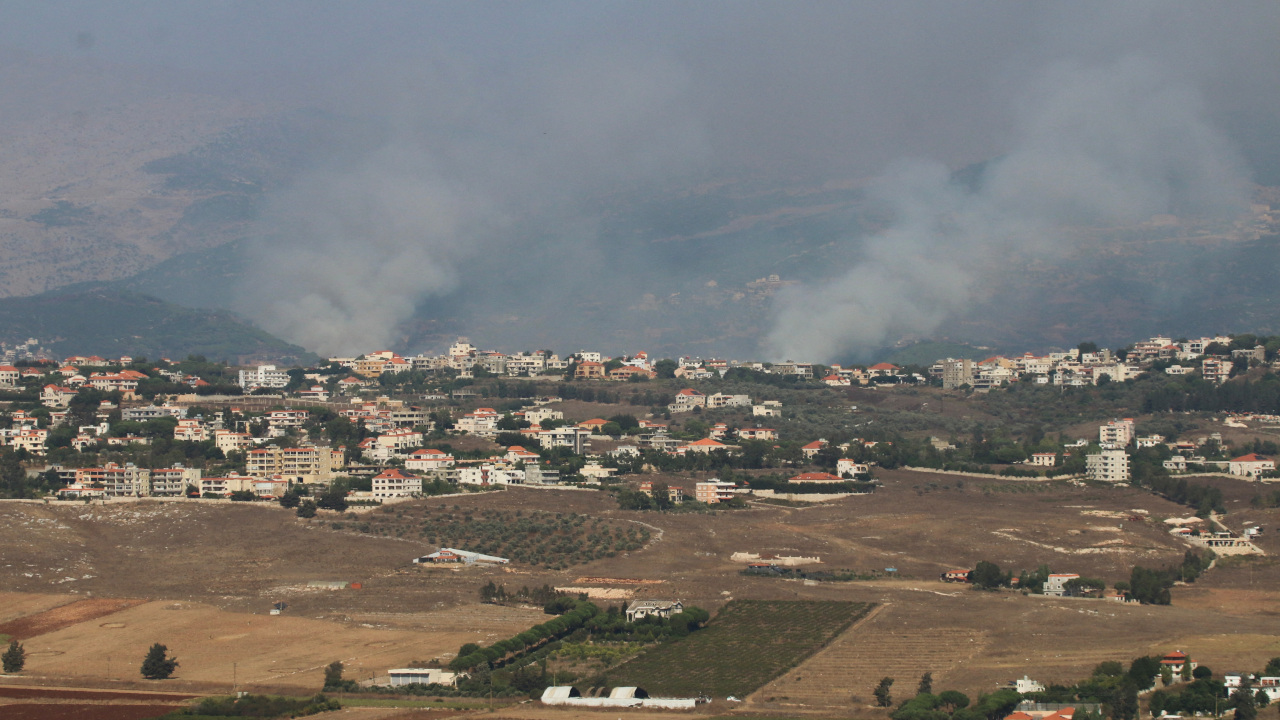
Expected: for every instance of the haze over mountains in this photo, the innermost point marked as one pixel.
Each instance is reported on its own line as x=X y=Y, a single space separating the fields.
x=629 y=177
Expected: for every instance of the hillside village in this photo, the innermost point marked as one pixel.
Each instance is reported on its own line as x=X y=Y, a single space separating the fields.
x=384 y=425
x=271 y=429
x=683 y=435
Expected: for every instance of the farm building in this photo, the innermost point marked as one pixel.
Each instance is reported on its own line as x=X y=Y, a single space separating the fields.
x=659 y=608
x=618 y=697
x=453 y=555
x=422 y=676
x=962 y=576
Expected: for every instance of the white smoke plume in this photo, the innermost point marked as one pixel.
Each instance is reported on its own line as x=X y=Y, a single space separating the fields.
x=355 y=250
x=1094 y=146
x=350 y=249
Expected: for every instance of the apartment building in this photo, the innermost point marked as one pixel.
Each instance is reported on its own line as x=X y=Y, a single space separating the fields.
x=299 y=465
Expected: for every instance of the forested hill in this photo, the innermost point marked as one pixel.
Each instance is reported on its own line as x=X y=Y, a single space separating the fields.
x=108 y=323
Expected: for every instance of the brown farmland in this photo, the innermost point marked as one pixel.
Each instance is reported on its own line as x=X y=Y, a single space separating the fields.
x=213 y=570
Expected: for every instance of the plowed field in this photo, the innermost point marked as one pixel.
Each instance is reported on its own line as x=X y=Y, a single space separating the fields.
x=65 y=616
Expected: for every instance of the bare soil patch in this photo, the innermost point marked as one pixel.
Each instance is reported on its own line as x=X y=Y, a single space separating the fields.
x=73 y=711
x=18 y=605
x=64 y=616
x=72 y=694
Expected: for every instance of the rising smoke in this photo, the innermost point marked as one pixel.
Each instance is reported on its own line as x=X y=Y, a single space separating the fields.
x=351 y=249
x=1094 y=146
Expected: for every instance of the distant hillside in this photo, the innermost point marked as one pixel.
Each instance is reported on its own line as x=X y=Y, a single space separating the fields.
x=115 y=323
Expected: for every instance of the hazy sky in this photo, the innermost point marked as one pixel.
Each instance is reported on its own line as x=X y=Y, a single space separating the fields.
x=496 y=110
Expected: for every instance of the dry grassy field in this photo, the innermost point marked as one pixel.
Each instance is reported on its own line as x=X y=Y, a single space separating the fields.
x=210 y=572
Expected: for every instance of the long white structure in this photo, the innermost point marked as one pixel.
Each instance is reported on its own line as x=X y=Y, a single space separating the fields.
x=631 y=697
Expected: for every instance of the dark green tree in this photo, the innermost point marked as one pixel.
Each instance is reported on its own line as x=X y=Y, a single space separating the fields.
x=1143 y=671
x=987 y=575
x=883 y=698
x=290 y=499
x=661 y=495
x=157 y=665
x=1246 y=707
x=954 y=699
x=307 y=508
x=333 y=674
x=666 y=368
x=334 y=498
x=1123 y=701
x=926 y=684
x=15 y=658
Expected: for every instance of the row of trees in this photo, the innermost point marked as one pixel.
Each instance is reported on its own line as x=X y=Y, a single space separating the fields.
x=947 y=705
x=1146 y=585
x=536 y=635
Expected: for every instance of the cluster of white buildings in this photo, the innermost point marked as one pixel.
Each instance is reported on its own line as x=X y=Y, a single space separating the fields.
x=1111 y=462
x=1073 y=368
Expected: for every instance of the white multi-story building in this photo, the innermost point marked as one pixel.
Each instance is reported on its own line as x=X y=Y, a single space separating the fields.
x=264 y=376
x=686 y=400
x=846 y=467
x=426 y=460
x=720 y=400
x=490 y=474
x=484 y=421
x=391 y=483
x=1117 y=433
x=190 y=431
x=305 y=464
x=228 y=441
x=768 y=408
x=1056 y=585
x=1108 y=466
x=1216 y=370
x=714 y=491
x=535 y=416
x=957 y=372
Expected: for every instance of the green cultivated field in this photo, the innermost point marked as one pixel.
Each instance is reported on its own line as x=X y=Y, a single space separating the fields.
x=749 y=643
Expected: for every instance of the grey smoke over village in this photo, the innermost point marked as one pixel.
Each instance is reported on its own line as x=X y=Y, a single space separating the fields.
x=495 y=133
x=1099 y=146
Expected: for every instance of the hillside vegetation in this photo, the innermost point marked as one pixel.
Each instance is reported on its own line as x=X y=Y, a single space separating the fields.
x=112 y=324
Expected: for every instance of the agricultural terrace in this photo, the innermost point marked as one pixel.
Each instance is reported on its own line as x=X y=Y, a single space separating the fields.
x=551 y=539
x=746 y=645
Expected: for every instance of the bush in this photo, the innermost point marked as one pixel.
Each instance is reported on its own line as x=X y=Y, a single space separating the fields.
x=263 y=706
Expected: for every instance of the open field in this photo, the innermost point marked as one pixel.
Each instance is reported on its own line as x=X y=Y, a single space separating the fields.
x=210 y=572
x=748 y=643
x=265 y=650
x=37 y=703
x=73 y=711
